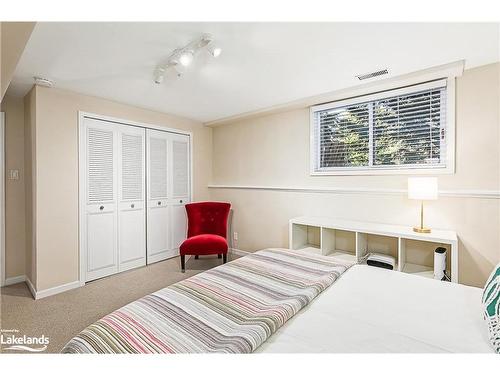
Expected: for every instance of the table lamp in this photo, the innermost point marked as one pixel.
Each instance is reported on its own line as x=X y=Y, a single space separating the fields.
x=423 y=189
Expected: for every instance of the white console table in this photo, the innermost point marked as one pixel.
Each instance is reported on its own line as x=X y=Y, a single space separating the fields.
x=352 y=240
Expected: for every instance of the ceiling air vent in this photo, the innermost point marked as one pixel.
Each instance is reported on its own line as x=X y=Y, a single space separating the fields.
x=362 y=77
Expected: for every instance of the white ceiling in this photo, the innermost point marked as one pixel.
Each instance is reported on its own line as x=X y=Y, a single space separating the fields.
x=262 y=64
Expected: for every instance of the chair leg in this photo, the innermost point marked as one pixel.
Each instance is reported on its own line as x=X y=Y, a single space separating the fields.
x=224 y=258
x=196 y=257
x=183 y=263
x=219 y=256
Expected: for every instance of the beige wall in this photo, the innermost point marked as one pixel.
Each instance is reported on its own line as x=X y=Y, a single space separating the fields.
x=14 y=189
x=14 y=36
x=273 y=150
x=56 y=145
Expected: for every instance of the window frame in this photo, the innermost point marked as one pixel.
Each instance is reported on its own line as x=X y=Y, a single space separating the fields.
x=449 y=164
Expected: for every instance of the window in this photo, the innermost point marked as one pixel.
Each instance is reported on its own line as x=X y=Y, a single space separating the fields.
x=397 y=130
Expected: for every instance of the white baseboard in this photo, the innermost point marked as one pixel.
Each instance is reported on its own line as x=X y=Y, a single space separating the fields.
x=15 y=280
x=57 y=289
x=239 y=252
x=51 y=291
x=31 y=287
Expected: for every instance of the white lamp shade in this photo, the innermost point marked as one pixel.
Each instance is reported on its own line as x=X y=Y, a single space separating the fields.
x=422 y=188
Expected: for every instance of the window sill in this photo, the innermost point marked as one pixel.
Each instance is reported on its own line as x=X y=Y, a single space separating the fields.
x=381 y=172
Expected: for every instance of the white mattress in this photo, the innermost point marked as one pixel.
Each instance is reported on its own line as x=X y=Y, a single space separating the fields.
x=375 y=310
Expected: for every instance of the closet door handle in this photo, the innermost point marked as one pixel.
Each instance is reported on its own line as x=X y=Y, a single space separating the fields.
x=180 y=201
x=101 y=208
x=159 y=203
x=132 y=205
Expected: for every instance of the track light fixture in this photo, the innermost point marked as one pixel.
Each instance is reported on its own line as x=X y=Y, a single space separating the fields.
x=183 y=57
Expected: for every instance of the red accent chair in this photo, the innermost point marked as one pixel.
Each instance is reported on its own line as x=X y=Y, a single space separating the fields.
x=207 y=230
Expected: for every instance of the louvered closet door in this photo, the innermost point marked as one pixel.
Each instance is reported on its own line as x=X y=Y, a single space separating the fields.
x=101 y=199
x=180 y=187
x=159 y=241
x=131 y=206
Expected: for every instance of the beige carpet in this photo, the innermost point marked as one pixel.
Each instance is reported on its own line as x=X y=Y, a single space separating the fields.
x=64 y=315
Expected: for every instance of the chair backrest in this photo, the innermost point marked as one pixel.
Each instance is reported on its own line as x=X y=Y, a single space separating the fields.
x=207 y=218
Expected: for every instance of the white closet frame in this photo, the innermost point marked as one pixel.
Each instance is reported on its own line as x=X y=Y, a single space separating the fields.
x=81 y=172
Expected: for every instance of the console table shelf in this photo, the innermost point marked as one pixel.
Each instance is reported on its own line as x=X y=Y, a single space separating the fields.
x=352 y=240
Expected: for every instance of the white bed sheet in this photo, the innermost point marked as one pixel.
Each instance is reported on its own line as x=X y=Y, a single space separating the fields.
x=375 y=310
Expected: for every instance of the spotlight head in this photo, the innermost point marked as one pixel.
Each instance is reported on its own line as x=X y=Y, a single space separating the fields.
x=205 y=40
x=215 y=51
x=159 y=75
x=186 y=58
x=178 y=70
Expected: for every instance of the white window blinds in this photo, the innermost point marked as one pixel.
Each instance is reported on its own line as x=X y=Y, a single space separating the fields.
x=397 y=129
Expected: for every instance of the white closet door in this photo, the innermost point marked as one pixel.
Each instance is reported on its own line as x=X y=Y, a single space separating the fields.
x=158 y=223
x=180 y=186
x=131 y=206
x=135 y=183
x=101 y=199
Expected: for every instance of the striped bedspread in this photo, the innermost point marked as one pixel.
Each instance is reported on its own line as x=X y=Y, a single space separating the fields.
x=232 y=308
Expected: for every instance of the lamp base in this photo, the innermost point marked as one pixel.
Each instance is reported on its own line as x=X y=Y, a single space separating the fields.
x=421 y=230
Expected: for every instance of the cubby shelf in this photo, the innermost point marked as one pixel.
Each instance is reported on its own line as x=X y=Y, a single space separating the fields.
x=417 y=269
x=352 y=240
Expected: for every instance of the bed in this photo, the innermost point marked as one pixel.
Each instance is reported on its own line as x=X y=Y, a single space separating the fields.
x=376 y=310
x=277 y=300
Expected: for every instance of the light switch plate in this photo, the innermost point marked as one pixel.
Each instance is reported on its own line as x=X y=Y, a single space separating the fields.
x=14 y=174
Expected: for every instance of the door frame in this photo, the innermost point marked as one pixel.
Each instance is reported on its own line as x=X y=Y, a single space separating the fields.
x=82 y=115
x=3 y=269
